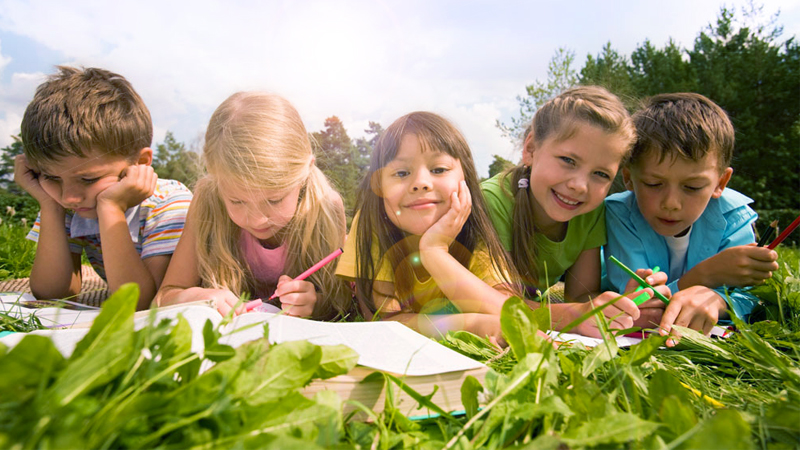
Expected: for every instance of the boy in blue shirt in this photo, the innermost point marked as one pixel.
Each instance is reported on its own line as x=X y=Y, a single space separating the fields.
x=677 y=215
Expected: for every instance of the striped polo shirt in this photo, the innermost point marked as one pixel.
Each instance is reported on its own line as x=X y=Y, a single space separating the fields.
x=156 y=225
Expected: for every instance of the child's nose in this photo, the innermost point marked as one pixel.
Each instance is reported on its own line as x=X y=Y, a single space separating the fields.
x=71 y=195
x=578 y=183
x=422 y=182
x=671 y=201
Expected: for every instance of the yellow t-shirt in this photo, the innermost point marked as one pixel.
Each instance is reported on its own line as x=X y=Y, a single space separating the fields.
x=427 y=296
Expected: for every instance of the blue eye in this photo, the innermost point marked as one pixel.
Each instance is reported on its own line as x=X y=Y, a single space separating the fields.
x=603 y=175
x=401 y=174
x=567 y=160
x=439 y=170
x=89 y=180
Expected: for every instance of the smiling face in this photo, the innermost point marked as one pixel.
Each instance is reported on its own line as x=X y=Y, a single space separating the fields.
x=417 y=184
x=75 y=181
x=673 y=193
x=262 y=213
x=571 y=177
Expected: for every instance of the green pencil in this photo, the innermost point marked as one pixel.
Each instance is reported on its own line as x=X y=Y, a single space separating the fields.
x=638 y=279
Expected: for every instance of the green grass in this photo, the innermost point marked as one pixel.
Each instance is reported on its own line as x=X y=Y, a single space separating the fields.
x=16 y=252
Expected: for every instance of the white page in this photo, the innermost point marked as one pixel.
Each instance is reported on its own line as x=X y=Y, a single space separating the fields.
x=622 y=341
x=387 y=346
x=13 y=304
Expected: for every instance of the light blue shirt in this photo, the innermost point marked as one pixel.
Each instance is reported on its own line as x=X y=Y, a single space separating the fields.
x=726 y=222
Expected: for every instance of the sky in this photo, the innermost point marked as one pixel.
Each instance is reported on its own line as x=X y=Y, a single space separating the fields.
x=360 y=60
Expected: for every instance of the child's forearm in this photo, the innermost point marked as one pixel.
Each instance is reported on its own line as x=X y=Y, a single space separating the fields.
x=54 y=274
x=462 y=287
x=121 y=260
x=174 y=295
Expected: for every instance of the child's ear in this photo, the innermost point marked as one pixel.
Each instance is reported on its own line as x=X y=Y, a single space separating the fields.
x=723 y=181
x=527 y=150
x=626 y=178
x=145 y=156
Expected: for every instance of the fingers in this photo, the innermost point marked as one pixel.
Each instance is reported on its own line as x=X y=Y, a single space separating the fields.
x=298 y=297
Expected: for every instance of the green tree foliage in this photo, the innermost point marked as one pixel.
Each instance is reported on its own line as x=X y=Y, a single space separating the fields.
x=756 y=79
x=172 y=160
x=741 y=64
x=341 y=160
x=560 y=76
x=7 y=165
x=498 y=165
x=612 y=71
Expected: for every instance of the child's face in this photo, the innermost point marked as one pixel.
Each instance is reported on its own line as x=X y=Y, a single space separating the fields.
x=417 y=185
x=262 y=213
x=572 y=177
x=672 y=194
x=75 y=182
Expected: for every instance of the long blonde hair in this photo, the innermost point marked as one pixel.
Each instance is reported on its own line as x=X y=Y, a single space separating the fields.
x=559 y=119
x=258 y=140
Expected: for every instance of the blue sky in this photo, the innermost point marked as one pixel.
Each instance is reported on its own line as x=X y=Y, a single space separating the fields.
x=359 y=60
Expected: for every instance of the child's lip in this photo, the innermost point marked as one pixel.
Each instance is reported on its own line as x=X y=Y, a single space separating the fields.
x=421 y=203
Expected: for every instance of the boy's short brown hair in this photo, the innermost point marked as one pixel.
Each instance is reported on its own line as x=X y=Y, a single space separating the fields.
x=78 y=111
x=683 y=124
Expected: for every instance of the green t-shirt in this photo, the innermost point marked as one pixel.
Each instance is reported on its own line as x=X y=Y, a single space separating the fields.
x=584 y=232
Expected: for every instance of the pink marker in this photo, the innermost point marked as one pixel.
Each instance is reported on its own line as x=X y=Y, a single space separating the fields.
x=252 y=304
x=315 y=267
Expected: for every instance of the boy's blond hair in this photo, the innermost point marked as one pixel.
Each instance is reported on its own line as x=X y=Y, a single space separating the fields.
x=78 y=112
x=683 y=124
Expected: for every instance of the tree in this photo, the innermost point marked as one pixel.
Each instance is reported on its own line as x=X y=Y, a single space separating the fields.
x=339 y=159
x=560 y=76
x=756 y=79
x=610 y=70
x=7 y=157
x=498 y=165
x=173 y=161
x=655 y=71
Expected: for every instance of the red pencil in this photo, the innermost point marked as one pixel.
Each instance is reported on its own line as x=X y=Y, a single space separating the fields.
x=785 y=233
x=316 y=267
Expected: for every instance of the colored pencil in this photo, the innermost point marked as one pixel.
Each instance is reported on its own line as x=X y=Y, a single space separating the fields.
x=785 y=233
x=639 y=279
x=643 y=297
x=316 y=267
x=768 y=233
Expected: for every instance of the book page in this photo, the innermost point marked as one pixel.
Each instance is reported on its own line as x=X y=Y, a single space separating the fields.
x=387 y=346
x=60 y=314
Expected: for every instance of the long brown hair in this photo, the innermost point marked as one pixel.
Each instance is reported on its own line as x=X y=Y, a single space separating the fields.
x=558 y=119
x=435 y=133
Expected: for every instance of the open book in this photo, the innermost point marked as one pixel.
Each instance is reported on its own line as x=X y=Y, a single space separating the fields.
x=385 y=346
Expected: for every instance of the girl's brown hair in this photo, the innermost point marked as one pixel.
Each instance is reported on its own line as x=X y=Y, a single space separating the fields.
x=435 y=133
x=559 y=119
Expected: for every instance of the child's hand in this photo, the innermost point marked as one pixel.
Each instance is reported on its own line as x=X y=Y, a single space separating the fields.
x=697 y=307
x=744 y=265
x=651 y=311
x=620 y=315
x=298 y=297
x=136 y=183
x=225 y=301
x=28 y=179
x=444 y=231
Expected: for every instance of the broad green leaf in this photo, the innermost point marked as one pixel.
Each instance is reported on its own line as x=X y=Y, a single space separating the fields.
x=519 y=327
x=598 y=356
x=288 y=366
x=26 y=364
x=423 y=400
x=469 y=395
x=104 y=352
x=677 y=415
x=613 y=429
x=335 y=360
x=641 y=352
x=542 y=442
x=662 y=385
x=725 y=429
